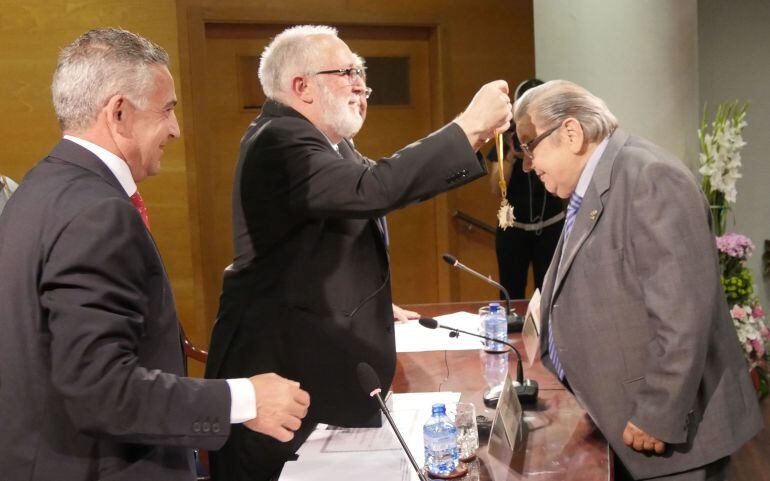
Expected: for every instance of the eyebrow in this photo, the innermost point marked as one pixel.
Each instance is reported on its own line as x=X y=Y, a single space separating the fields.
x=171 y=103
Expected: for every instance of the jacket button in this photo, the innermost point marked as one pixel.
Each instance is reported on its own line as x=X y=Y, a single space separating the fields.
x=215 y=428
x=206 y=426
x=196 y=427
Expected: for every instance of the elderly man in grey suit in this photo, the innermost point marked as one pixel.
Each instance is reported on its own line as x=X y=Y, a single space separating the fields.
x=634 y=318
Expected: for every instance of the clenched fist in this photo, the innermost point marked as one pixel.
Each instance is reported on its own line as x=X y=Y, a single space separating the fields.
x=281 y=405
x=488 y=113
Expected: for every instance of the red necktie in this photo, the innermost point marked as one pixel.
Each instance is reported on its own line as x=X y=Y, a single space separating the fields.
x=138 y=203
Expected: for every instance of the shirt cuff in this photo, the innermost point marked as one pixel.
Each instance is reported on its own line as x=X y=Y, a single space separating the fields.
x=243 y=405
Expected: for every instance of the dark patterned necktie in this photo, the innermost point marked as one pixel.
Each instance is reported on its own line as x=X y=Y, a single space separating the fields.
x=138 y=203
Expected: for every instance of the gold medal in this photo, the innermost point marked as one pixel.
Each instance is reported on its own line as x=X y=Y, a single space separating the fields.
x=505 y=215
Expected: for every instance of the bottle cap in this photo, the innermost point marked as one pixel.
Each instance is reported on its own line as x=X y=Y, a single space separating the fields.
x=494 y=307
x=439 y=408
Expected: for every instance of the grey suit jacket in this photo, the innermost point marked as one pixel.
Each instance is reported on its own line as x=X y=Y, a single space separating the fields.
x=90 y=354
x=640 y=320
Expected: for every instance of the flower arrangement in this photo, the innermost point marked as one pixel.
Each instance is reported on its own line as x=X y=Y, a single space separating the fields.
x=720 y=162
x=748 y=316
x=720 y=158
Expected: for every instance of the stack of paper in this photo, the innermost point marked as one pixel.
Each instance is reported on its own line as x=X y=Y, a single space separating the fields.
x=412 y=337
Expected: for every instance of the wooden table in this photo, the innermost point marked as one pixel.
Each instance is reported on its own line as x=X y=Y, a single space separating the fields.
x=560 y=443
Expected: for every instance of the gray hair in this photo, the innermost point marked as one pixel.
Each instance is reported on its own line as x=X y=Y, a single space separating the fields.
x=99 y=64
x=555 y=101
x=292 y=52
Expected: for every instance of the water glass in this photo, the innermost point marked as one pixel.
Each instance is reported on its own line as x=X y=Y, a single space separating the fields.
x=464 y=415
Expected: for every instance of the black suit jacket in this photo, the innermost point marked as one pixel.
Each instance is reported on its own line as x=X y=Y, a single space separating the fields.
x=308 y=294
x=90 y=355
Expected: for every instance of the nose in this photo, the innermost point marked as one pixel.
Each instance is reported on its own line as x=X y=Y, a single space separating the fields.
x=174 y=132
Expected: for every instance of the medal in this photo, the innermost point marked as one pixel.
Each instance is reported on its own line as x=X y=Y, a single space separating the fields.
x=505 y=215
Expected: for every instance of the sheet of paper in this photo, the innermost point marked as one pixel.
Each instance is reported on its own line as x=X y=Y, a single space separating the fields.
x=412 y=337
x=368 y=453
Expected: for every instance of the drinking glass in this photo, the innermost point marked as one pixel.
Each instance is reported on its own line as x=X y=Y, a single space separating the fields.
x=467 y=432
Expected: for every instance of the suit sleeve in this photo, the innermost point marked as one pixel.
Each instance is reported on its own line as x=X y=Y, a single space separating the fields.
x=674 y=253
x=101 y=286
x=319 y=183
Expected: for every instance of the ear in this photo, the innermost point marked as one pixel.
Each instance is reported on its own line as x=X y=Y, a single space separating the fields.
x=301 y=88
x=575 y=137
x=118 y=112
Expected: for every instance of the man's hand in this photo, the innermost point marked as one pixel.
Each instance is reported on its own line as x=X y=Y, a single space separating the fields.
x=641 y=441
x=402 y=315
x=281 y=405
x=488 y=113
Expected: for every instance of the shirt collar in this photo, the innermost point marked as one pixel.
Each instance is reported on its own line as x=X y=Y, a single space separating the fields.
x=117 y=166
x=588 y=170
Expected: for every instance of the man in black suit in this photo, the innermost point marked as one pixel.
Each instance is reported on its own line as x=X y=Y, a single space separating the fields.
x=308 y=293
x=91 y=365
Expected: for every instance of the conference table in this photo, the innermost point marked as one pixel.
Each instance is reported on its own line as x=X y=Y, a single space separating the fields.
x=560 y=442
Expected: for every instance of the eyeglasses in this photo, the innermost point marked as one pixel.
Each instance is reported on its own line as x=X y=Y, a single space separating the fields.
x=529 y=147
x=367 y=92
x=351 y=73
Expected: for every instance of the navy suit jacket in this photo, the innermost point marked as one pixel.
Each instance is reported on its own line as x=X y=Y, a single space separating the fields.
x=90 y=354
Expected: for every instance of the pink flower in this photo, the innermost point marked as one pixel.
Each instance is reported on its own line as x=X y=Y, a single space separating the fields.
x=738 y=313
x=735 y=245
x=764 y=331
x=757 y=312
x=758 y=347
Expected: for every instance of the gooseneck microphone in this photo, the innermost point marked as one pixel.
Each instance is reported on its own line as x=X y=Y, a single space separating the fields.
x=515 y=322
x=526 y=389
x=370 y=383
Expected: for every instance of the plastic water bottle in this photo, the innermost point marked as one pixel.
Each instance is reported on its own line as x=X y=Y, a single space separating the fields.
x=440 y=436
x=495 y=367
x=496 y=326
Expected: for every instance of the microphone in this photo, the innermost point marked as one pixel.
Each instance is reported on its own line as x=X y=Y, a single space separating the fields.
x=526 y=389
x=515 y=322
x=370 y=383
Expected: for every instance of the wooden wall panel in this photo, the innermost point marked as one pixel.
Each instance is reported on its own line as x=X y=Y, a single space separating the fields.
x=31 y=34
x=474 y=42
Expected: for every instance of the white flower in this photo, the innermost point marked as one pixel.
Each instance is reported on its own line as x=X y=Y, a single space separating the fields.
x=720 y=159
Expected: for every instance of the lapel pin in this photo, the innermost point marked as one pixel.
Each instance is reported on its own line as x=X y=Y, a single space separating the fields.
x=593 y=214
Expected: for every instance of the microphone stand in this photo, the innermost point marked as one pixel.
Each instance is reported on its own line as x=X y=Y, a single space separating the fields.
x=526 y=389
x=369 y=381
x=514 y=321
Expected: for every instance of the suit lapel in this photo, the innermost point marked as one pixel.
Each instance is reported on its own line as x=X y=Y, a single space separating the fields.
x=590 y=210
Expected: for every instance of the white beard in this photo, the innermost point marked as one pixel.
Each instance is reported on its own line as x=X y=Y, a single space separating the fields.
x=338 y=116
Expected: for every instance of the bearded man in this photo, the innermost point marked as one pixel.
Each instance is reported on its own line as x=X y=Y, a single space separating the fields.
x=308 y=292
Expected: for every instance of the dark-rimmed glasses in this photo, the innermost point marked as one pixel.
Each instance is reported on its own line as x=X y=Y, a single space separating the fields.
x=351 y=73
x=529 y=147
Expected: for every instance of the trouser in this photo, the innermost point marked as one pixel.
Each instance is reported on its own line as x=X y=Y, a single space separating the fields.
x=250 y=456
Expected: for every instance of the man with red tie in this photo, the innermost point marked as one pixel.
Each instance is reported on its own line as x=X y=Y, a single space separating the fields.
x=92 y=379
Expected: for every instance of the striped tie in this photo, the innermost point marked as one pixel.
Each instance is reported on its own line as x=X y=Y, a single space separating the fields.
x=572 y=209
